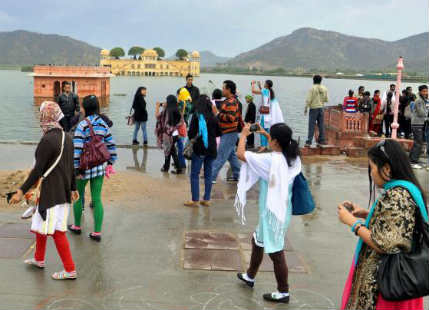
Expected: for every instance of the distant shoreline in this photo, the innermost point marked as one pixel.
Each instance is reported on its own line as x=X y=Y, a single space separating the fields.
x=419 y=79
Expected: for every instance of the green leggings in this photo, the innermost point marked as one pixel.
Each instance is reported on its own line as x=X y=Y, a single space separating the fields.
x=96 y=186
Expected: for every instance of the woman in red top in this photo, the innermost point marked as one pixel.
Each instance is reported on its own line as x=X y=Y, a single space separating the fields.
x=376 y=122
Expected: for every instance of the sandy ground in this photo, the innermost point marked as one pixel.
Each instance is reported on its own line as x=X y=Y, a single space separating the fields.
x=123 y=186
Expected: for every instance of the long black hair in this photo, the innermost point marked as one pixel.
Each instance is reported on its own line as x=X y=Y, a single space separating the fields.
x=283 y=135
x=138 y=95
x=391 y=152
x=172 y=110
x=91 y=105
x=204 y=106
x=269 y=84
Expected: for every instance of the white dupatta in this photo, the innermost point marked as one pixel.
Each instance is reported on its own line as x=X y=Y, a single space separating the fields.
x=273 y=168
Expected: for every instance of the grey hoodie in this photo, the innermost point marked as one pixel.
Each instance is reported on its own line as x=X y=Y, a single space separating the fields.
x=420 y=112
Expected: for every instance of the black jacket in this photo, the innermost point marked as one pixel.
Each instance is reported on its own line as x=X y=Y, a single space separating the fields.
x=194 y=92
x=69 y=104
x=140 y=112
x=213 y=131
x=250 y=113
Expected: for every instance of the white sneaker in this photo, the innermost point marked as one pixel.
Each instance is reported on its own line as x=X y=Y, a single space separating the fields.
x=416 y=166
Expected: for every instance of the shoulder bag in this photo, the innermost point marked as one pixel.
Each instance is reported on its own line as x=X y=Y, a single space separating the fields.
x=404 y=276
x=95 y=152
x=130 y=118
x=265 y=109
x=302 y=200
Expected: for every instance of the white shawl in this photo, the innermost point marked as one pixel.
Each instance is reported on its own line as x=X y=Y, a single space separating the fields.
x=274 y=169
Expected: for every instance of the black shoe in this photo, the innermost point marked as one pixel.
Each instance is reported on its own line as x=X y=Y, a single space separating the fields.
x=94 y=237
x=91 y=205
x=178 y=171
x=164 y=170
x=232 y=180
x=248 y=283
x=270 y=297
x=74 y=230
x=135 y=142
x=145 y=143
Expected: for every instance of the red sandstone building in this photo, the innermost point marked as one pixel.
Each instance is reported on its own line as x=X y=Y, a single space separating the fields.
x=48 y=81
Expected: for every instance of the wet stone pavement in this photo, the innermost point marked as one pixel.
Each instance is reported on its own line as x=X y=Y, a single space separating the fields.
x=152 y=257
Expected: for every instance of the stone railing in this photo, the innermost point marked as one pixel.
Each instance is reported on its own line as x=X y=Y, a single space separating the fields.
x=349 y=123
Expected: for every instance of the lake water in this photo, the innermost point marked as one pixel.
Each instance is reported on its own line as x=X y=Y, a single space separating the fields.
x=19 y=117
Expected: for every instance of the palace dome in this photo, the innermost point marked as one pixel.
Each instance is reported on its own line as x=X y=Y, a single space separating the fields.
x=195 y=54
x=104 y=53
x=150 y=53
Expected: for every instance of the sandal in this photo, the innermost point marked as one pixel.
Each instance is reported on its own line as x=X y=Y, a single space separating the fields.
x=191 y=203
x=205 y=203
x=64 y=275
x=33 y=262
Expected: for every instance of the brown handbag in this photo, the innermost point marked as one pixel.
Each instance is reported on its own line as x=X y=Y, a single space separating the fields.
x=264 y=109
x=95 y=152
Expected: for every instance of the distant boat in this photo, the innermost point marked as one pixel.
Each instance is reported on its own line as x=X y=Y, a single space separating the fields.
x=119 y=94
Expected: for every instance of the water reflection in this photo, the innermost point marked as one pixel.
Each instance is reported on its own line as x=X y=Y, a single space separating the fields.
x=137 y=166
x=313 y=173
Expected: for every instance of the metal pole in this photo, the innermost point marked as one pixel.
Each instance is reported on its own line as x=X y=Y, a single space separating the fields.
x=395 y=124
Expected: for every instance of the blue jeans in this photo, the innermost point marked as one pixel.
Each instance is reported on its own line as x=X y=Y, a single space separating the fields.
x=136 y=130
x=196 y=164
x=226 y=152
x=316 y=117
x=180 y=146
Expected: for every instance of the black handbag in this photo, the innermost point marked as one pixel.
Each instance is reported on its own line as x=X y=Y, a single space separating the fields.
x=405 y=276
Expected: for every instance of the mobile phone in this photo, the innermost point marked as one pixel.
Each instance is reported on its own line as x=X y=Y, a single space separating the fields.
x=349 y=207
x=254 y=128
x=9 y=196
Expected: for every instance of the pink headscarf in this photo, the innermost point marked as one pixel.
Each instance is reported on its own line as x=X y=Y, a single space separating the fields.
x=50 y=116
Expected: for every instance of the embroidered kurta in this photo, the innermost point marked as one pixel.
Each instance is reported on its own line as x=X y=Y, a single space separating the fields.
x=392 y=226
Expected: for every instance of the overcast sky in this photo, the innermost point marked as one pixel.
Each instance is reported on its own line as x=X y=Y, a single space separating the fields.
x=224 y=27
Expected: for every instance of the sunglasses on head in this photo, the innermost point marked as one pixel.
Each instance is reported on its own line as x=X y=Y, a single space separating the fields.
x=380 y=145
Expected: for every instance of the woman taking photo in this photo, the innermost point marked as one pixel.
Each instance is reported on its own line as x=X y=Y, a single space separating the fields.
x=269 y=111
x=388 y=228
x=276 y=173
x=205 y=128
x=167 y=133
x=95 y=175
x=140 y=115
x=54 y=169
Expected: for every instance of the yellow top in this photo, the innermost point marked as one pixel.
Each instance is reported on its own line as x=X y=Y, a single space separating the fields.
x=184 y=95
x=195 y=54
x=104 y=53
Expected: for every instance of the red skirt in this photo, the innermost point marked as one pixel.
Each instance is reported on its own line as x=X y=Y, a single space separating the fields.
x=411 y=304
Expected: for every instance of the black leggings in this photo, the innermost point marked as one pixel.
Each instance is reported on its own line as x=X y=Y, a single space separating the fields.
x=173 y=153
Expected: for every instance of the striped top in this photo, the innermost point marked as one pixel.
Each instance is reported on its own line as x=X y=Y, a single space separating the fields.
x=350 y=104
x=229 y=115
x=82 y=135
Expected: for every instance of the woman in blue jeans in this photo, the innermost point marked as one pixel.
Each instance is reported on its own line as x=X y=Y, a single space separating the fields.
x=140 y=115
x=205 y=127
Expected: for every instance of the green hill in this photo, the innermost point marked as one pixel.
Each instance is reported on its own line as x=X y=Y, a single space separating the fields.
x=309 y=48
x=30 y=48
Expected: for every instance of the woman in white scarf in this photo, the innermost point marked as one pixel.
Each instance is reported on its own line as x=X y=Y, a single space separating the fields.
x=276 y=173
x=268 y=112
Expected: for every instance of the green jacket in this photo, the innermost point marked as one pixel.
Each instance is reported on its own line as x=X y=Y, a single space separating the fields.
x=317 y=97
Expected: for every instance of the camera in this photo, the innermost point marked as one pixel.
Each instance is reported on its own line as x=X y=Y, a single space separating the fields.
x=254 y=128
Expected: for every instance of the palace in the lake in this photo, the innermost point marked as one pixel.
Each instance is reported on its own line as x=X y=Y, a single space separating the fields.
x=149 y=64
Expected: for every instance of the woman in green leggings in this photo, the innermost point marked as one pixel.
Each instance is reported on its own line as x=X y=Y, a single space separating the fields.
x=95 y=175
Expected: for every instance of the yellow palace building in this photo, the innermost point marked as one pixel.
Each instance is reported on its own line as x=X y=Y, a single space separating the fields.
x=149 y=64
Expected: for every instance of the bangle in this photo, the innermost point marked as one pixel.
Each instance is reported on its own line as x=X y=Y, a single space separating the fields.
x=355 y=224
x=357 y=229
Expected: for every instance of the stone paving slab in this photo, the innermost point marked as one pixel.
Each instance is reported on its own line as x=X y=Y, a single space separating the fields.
x=222 y=260
x=16 y=230
x=210 y=240
x=14 y=248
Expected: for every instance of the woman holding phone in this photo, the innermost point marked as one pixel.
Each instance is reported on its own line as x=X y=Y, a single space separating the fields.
x=275 y=172
x=388 y=227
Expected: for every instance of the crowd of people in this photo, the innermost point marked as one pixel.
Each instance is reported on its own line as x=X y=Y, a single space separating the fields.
x=77 y=148
x=413 y=115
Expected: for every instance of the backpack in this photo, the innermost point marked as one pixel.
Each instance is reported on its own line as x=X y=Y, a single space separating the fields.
x=95 y=152
x=302 y=201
